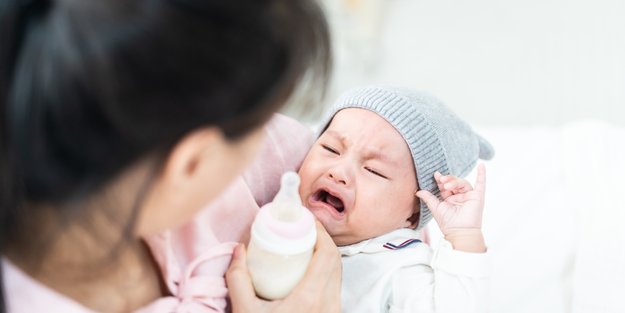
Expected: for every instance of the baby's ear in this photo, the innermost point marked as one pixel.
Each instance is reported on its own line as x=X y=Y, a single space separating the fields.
x=414 y=218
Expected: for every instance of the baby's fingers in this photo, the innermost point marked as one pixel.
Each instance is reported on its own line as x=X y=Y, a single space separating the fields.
x=456 y=186
x=480 y=181
x=430 y=200
x=441 y=179
x=440 y=183
x=462 y=198
x=450 y=185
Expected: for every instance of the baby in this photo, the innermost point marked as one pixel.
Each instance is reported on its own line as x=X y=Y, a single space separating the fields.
x=379 y=171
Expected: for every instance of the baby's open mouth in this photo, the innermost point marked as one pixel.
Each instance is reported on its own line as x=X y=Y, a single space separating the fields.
x=324 y=196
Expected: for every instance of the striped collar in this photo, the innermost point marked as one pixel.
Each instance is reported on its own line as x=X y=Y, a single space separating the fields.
x=395 y=240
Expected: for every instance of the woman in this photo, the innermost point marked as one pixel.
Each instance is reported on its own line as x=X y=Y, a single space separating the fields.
x=119 y=120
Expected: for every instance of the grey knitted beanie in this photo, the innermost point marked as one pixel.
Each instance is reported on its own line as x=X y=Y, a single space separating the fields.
x=438 y=139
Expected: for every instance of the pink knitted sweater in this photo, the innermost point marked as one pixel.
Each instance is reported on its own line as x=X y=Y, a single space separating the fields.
x=193 y=258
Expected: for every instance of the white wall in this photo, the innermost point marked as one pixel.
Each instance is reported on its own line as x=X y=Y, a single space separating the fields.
x=512 y=63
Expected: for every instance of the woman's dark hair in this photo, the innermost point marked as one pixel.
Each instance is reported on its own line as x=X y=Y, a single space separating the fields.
x=90 y=87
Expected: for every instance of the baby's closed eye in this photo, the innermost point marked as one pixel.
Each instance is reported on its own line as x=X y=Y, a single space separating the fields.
x=375 y=172
x=330 y=149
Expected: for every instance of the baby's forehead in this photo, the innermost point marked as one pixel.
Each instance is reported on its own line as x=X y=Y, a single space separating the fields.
x=354 y=120
x=374 y=135
x=359 y=117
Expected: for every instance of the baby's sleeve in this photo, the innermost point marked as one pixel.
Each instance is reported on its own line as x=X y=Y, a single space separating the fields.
x=462 y=279
x=412 y=290
x=453 y=282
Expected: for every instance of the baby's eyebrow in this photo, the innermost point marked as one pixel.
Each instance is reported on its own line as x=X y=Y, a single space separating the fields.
x=372 y=153
x=378 y=154
x=337 y=135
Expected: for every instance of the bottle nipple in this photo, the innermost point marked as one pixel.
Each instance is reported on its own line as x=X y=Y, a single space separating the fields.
x=287 y=205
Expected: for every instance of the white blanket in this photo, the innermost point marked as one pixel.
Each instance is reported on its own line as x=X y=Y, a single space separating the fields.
x=555 y=218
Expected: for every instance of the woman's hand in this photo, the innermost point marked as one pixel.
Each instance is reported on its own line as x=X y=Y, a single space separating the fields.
x=318 y=291
x=459 y=215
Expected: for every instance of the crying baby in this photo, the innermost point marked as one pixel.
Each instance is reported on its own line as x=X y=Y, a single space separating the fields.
x=387 y=161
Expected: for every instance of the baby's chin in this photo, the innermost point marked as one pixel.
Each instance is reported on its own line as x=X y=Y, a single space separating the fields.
x=328 y=224
x=340 y=241
x=339 y=238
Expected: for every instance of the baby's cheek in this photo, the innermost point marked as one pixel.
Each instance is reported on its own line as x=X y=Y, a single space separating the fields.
x=401 y=199
x=305 y=181
x=377 y=199
x=305 y=190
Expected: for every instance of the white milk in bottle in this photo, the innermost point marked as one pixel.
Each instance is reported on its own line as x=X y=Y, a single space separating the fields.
x=282 y=240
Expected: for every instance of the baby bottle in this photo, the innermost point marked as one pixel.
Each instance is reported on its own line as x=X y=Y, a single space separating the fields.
x=282 y=240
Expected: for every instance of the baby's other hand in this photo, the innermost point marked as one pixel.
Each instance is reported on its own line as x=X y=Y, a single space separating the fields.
x=451 y=185
x=460 y=212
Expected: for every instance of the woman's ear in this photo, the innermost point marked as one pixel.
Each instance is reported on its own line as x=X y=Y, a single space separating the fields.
x=188 y=156
x=199 y=167
x=183 y=185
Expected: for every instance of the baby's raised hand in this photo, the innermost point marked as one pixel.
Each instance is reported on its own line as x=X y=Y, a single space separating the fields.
x=460 y=212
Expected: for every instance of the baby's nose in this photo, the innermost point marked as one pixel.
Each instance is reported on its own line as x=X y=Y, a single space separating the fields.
x=339 y=175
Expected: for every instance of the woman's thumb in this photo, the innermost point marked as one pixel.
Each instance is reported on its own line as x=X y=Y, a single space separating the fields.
x=238 y=278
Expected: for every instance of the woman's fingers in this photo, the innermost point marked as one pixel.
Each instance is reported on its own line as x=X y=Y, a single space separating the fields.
x=332 y=301
x=332 y=256
x=320 y=289
x=239 y=283
x=325 y=264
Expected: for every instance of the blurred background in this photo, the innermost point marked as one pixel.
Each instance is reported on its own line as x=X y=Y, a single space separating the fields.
x=532 y=62
x=544 y=81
